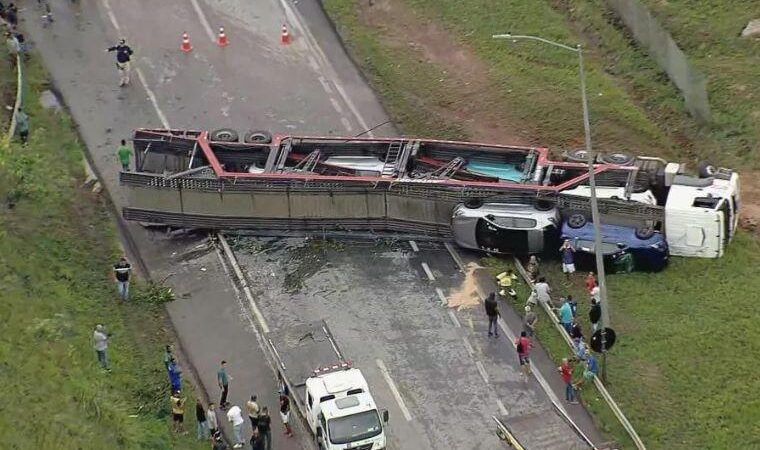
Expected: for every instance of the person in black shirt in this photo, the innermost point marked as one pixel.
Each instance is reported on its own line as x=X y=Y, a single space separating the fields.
x=123 y=57
x=202 y=422
x=264 y=426
x=594 y=314
x=575 y=329
x=492 y=311
x=121 y=272
x=257 y=440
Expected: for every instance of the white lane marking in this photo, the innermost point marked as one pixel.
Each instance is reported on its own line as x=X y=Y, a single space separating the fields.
x=394 y=389
x=441 y=296
x=204 y=22
x=482 y=371
x=295 y=20
x=313 y=63
x=325 y=84
x=502 y=409
x=414 y=246
x=468 y=346
x=111 y=15
x=454 y=254
x=540 y=378
x=243 y=282
x=152 y=98
x=347 y=124
x=336 y=105
x=454 y=319
x=429 y=274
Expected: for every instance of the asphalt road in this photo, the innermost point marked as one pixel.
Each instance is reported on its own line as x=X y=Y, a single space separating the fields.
x=451 y=378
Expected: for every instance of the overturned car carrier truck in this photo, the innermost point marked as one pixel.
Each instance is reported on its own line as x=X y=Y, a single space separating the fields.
x=491 y=197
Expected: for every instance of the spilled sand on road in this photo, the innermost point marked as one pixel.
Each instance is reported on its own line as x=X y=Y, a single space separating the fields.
x=466 y=295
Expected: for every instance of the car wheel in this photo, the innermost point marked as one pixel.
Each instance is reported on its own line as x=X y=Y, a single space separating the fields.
x=257 y=137
x=473 y=203
x=705 y=169
x=619 y=158
x=579 y=155
x=576 y=220
x=224 y=135
x=644 y=233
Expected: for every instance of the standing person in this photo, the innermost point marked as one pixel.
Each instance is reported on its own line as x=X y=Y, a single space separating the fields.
x=590 y=282
x=566 y=372
x=529 y=322
x=168 y=356
x=202 y=421
x=566 y=316
x=543 y=291
x=257 y=440
x=265 y=427
x=121 y=273
x=224 y=384
x=212 y=420
x=492 y=311
x=253 y=411
x=178 y=412
x=533 y=269
x=594 y=315
x=573 y=305
x=22 y=125
x=568 y=258
x=285 y=414
x=123 y=57
x=218 y=442
x=523 y=346
x=124 y=153
x=235 y=417
x=576 y=332
x=175 y=375
x=596 y=294
x=100 y=338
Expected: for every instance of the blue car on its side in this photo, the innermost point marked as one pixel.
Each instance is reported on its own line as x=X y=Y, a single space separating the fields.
x=646 y=245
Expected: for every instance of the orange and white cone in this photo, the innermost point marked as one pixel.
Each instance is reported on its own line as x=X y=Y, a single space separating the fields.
x=222 y=41
x=186 y=46
x=285 y=36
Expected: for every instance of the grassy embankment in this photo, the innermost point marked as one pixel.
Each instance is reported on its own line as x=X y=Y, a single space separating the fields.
x=682 y=370
x=57 y=243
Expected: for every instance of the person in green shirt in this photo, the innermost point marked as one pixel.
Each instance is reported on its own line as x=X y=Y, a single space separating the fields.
x=22 y=125
x=124 y=153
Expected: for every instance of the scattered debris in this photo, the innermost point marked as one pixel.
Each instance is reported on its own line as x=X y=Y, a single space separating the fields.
x=49 y=100
x=752 y=28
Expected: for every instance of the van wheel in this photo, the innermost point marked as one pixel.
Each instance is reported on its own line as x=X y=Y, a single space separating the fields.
x=705 y=169
x=644 y=233
x=257 y=137
x=576 y=220
x=224 y=135
x=579 y=155
x=473 y=203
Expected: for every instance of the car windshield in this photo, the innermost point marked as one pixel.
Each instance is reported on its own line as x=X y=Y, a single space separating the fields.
x=355 y=427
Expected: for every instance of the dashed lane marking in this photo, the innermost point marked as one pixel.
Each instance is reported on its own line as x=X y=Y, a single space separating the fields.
x=347 y=124
x=482 y=371
x=455 y=255
x=414 y=246
x=325 y=84
x=336 y=105
x=454 y=319
x=502 y=409
x=428 y=272
x=468 y=346
x=394 y=389
x=111 y=15
x=441 y=296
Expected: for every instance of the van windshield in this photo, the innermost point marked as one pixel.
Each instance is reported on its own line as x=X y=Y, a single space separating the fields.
x=355 y=427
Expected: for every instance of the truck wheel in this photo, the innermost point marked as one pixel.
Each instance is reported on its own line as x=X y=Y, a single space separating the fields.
x=705 y=169
x=576 y=220
x=257 y=137
x=473 y=203
x=619 y=158
x=579 y=155
x=644 y=233
x=224 y=135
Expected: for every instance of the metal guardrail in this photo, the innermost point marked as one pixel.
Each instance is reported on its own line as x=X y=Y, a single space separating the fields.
x=19 y=95
x=597 y=382
x=505 y=434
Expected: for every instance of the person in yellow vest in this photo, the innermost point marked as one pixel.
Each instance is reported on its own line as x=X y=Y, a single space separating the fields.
x=178 y=412
x=505 y=281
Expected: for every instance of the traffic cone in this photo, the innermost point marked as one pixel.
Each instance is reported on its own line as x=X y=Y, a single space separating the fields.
x=186 y=46
x=222 y=41
x=285 y=36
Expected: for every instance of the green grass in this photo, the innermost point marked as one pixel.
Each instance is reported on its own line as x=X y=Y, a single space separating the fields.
x=56 y=247
x=683 y=367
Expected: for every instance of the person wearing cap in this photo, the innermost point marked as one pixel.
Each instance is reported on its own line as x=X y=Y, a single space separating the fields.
x=529 y=321
x=100 y=338
x=123 y=57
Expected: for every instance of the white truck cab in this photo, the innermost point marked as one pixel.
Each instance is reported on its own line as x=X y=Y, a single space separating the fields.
x=333 y=397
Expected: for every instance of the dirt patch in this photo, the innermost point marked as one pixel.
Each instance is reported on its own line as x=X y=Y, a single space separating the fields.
x=470 y=98
x=750 y=201
x=466 y=296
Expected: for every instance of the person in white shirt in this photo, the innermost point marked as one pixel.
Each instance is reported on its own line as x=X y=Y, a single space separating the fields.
x=543 y=291
x=100 y=338
x=213 y=422
x=235 y=416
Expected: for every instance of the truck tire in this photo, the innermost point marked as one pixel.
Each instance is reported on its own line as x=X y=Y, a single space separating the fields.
x=576 y=220
x=473 y=203
x=258 y=137
x=224 y=135
x=644 y=233
x=579 y=155
x=705 y=169
x=619 y=158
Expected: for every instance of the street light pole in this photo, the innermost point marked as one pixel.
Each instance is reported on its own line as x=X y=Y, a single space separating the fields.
x=603 y=299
